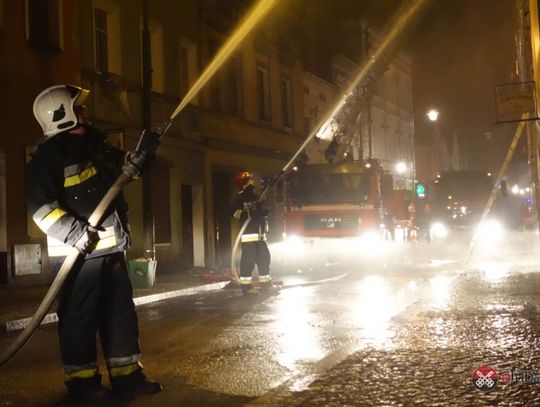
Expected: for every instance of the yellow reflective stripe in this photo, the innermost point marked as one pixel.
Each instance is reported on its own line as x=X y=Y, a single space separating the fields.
x=124 y=360
x=58 y=249
x=106 y=243
x=264 y=279
x=82 y=374
x=45 y=223
x=252 y=237
x=79 y=178
x=245 y=280
x=124 y=370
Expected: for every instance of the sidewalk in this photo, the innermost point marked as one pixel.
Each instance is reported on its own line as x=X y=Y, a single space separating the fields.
x=18 y=304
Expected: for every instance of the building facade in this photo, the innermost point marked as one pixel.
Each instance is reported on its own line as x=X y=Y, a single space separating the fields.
x=37 y=49
x=252 y=115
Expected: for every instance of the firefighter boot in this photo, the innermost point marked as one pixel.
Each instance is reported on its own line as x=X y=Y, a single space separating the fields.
x=269 y=289
x=250 y=290
x=88 y=389
x=134 y=385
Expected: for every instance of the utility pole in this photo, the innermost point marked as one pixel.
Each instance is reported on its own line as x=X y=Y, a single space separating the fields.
x=524 y=67
x=148 y=214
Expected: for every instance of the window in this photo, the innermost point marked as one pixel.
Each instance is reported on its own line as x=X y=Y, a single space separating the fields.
x=157 y=55
x=1 y=15
x=286 y=101
x=184 y=71
x=187 y=66
x=232 y=86
x=215 y=94
x=307 y=124
x=263 y=92
x=102 y=42
x=44 y=24
x=107 y=38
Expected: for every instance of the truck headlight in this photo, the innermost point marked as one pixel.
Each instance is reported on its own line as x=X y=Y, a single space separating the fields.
x=293 y=244
x=439 y=230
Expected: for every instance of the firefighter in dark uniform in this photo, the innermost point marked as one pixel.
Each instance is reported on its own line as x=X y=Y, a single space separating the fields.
x=254 y=248
x=71 y=170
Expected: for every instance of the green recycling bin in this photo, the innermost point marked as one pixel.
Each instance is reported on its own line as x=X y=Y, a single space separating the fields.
x=142 y=273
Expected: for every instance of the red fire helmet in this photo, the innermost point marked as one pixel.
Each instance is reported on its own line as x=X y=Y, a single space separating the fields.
x=242 y=179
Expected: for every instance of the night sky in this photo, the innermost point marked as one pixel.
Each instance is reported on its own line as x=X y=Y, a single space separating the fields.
x=462 y=50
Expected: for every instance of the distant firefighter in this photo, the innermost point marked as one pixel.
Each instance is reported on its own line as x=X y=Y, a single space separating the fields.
x=254 y=248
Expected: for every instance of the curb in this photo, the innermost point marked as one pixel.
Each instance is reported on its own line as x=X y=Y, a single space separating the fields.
x=22 y=323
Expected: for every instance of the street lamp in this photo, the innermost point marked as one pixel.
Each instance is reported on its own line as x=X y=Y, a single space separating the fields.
x=433 y=115
x=401 y=167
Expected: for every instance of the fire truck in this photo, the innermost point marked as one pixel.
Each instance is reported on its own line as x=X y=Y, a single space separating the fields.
x=334 y=200
x=335 y=192
x=457 y=201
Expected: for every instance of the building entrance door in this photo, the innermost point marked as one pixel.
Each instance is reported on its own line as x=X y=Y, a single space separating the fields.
x=222 y=218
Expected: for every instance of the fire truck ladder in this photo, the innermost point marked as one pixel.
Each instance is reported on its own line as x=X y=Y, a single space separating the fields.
x=341 y=124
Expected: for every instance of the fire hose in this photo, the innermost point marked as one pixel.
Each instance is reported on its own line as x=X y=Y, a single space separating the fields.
x=128 y=171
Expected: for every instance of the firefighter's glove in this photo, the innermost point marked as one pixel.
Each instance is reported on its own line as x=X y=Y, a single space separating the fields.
x=141 y=159
x=88 y=240
x=137 y=163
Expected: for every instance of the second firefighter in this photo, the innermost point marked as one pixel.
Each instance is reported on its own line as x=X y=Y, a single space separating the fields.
x=254 y=248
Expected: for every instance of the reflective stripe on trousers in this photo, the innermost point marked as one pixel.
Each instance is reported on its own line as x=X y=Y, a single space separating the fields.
x=98 y=298
x=253 y=237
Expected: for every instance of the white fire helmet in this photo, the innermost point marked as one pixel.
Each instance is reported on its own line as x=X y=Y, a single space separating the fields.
x=54 y=108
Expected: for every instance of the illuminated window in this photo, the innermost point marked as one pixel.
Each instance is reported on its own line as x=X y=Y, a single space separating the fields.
x=44 y=24
x=263 y=92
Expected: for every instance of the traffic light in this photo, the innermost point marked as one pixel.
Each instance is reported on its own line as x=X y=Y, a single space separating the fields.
x=420 y=190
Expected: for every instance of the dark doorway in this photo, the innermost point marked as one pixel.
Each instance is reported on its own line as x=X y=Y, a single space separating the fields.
x=187 y=224
x=221 y=183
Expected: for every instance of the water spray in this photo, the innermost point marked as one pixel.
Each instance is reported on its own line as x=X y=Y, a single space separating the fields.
x=330 y=122
x=493 y=194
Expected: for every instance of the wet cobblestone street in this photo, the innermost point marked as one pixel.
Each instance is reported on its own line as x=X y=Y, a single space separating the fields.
x=431 y=356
